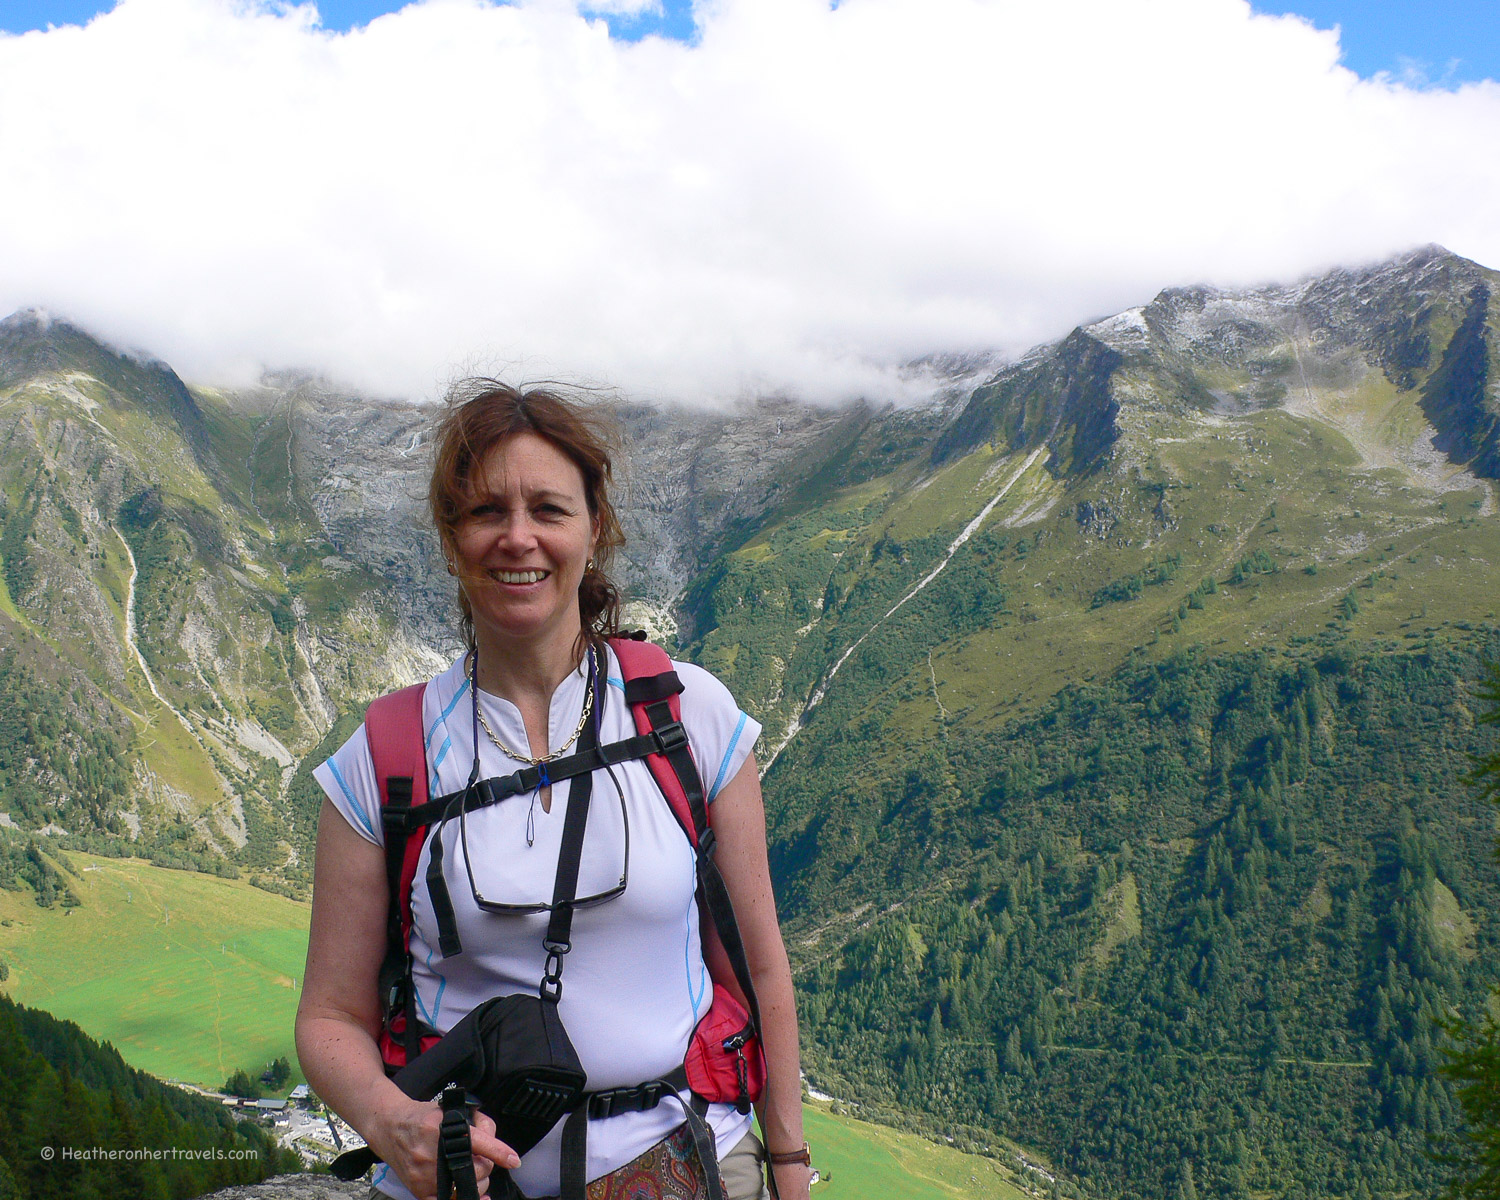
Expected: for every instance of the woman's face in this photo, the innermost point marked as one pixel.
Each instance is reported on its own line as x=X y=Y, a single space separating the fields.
x=523 y=542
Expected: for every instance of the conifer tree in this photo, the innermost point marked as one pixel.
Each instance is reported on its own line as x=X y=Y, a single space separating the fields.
x=1474 y=1060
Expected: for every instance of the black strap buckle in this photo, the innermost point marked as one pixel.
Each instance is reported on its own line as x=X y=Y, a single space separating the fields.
x=455 y=1149
x=670 y=737
x=393 y=818
x=642 y=1098
x=551 y=986
x=602 y=1105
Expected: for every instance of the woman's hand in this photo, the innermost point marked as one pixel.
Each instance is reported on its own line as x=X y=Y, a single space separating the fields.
x=407 y=1135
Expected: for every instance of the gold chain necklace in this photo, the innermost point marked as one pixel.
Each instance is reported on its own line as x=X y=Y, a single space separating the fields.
x=588 y=707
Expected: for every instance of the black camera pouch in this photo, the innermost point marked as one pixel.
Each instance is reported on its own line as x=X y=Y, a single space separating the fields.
x=513 y=1055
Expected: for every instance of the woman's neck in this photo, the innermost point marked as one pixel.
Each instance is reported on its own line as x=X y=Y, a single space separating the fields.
x=525 y=671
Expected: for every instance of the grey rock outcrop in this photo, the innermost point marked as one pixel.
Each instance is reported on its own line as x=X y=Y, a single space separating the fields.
x=296 y=1187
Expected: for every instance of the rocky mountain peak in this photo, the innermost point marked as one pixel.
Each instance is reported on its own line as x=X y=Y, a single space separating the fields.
x=1423 y=320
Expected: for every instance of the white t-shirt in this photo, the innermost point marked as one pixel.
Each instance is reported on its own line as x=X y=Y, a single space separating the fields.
x=635 y=984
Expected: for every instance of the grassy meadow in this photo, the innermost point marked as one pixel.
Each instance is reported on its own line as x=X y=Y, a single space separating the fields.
x=190 y=976
x=859 y=1158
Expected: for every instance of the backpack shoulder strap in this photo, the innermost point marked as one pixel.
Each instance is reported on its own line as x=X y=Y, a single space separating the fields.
x=393 y=725
x=653 y=691
x=393 y=728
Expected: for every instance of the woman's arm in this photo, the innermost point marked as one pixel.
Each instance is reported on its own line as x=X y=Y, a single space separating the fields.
x=338 y=1018
x=739 y=824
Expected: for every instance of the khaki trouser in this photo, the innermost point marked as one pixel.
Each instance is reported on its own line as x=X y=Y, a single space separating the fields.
x=743 y=1170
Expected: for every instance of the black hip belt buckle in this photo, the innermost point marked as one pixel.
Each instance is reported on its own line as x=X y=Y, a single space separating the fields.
x=642 y=1098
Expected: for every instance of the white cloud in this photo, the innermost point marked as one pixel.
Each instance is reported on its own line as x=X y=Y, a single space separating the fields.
x=624 y=8
x=800 y=200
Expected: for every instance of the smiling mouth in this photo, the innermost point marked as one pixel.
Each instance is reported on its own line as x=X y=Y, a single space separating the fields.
x=519 y=576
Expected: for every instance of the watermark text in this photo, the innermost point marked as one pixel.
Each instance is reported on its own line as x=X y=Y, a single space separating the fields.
x=144 y=1154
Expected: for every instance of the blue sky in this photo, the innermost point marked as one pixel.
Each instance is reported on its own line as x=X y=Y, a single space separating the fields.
x=789 y=197
x=18 y=16
x=1447 y=41
x=1441 y=41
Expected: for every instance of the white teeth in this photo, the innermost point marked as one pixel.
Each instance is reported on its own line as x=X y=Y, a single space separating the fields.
x=519 y=576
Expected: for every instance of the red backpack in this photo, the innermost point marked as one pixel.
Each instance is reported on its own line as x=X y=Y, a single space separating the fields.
x=724 y=1062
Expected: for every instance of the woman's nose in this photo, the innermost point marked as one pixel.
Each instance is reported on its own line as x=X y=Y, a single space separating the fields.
x=517 y=532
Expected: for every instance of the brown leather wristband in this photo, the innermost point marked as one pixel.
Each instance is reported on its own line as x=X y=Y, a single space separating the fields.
x=803 y=1156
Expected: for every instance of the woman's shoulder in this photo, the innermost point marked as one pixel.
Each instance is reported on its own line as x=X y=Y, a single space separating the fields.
x=450 y=681
x=441 y=694
x=701 y=686
x=721 y=732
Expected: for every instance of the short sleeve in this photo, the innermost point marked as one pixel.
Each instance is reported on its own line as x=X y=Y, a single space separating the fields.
x=348 y=778
x=722 y=734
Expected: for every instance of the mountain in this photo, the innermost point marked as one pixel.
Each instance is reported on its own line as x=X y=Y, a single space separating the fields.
x=1116 y=702
x=1182 y=430
x=1117 y=735
x=173 y=609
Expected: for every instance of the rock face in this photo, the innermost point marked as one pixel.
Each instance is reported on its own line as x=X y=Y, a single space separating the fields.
x=685 y=479
x=161 y=553
x=296 y=1187
x=693 y=479
x=1424 y=322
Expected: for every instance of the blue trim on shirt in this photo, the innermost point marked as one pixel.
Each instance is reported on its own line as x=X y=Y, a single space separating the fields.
x=695 y=998
x=437 y=1001
x=354 y=805
x=443 y=716
x=619 y=683
x=728 y=754
x=432 y=787
x=437 y=762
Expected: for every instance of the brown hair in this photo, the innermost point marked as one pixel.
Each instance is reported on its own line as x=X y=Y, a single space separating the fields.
x=481 y=414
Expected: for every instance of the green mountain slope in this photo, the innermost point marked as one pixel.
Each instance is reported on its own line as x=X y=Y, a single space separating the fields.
x=70 y=1102
x=190 y=976
x=1115 y=704
x=165 y=603
x=1199 y=592
x=1205 y=896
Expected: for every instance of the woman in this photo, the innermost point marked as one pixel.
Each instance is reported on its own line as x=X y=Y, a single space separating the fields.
x=519 y=495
